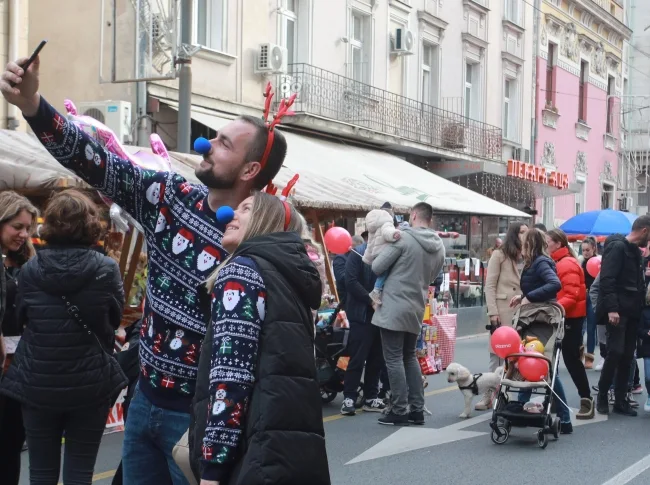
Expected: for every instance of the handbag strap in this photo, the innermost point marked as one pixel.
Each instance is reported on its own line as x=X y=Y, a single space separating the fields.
x=73 y=311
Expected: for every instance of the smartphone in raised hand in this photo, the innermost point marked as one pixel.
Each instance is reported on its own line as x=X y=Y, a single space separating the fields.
x=32 y=58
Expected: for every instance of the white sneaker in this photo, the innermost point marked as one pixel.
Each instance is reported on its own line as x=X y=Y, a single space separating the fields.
x=599 y=365
x=376 y=405
x=646 y=406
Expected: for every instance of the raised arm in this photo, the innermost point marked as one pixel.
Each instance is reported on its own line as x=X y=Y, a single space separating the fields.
x=134 y=189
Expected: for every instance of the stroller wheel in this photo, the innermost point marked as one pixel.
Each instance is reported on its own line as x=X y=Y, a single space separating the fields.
x=556 y=428
x=500 y=435
x=327 y=396
x=542 y=440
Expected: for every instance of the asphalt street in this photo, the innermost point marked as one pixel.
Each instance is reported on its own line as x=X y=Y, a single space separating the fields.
x=612 y=451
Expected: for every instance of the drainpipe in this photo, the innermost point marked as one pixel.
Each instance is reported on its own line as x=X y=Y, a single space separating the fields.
x=536 y=52
x=14 y=20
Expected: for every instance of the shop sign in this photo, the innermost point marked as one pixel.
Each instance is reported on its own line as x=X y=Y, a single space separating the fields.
x=533 y=173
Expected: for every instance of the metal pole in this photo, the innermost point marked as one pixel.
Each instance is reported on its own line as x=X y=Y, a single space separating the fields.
x=185 y=80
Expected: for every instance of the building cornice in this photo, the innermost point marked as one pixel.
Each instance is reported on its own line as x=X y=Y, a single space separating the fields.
x=432 y=20
x=604 y=16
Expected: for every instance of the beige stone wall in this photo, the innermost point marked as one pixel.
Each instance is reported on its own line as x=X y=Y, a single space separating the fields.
x=70 y=61
x=23 y=8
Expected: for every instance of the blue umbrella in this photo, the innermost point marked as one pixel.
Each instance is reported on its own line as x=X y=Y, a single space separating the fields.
x=600 y=223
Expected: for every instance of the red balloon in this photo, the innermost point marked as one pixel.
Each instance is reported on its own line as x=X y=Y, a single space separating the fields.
x=338 y=240
x=533 y=369
x=505 y=341
x=593 y=265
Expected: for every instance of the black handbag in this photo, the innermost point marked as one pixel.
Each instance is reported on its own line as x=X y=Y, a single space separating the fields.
x=118 y=379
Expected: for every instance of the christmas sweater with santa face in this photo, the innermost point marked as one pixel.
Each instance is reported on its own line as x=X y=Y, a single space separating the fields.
x=238 y=309
x=183 y=248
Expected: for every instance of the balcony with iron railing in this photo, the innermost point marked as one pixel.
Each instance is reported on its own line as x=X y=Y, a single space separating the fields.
x=328 y=95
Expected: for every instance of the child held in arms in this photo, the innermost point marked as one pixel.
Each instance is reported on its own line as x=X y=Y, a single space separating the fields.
x=381 y=231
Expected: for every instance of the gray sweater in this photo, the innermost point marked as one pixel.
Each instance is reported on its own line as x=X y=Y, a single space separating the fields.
x=412 y=263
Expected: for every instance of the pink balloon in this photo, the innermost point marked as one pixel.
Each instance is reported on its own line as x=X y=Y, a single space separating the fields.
x=505 y=341
x=593 y=265
x=338 y=240
x=533 y=369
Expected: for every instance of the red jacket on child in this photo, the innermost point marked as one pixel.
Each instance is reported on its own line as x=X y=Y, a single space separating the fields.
x=573 y=295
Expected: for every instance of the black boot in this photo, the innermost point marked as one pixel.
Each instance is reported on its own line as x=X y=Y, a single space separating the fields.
x=602 y=404
x=624 y=408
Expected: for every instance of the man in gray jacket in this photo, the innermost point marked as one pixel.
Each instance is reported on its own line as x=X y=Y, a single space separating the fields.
x=412 y=263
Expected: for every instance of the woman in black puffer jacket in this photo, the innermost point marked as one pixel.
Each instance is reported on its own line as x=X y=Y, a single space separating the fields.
x=62 y=373
x=540 y=284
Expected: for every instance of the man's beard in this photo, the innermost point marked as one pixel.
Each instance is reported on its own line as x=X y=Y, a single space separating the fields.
x=643 y=242
x=211 y=181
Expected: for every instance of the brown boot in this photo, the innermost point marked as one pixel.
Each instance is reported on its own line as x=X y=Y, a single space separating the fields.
x=586 y=408
x=589 y=361
x=485 y=403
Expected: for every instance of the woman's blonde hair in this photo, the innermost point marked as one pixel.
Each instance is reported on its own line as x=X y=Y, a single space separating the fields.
x=534 y=246
x=267 y=217
x=11 y=205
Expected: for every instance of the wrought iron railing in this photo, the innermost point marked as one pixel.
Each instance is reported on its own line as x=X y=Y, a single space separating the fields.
x=330 y=95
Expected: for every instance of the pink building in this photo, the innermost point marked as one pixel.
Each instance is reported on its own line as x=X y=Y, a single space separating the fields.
x=578 y=79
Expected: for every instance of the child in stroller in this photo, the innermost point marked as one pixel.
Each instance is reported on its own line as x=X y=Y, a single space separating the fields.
x=545 y=321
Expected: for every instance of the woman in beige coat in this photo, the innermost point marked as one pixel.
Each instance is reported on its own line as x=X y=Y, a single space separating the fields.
x=501 y=284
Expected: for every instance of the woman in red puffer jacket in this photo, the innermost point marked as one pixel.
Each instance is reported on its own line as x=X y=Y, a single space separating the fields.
x=573 y=298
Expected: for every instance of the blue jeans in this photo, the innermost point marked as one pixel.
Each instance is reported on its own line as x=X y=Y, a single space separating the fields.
x=149 y=438
x=591 y=328
x=562 y=411
x=646 y=373
x=381 y=280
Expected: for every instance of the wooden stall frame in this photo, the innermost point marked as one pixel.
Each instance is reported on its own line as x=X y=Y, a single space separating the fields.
x=329 y=273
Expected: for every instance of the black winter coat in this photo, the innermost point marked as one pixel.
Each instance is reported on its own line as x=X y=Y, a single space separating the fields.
x=338 y=267
x=283 y=438
x=58 y=366
x=359 y=282
x=622 y=284
x=539 y=281
x=643 y=330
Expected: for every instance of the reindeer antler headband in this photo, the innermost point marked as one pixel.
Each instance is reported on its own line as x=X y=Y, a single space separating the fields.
x=283 y=111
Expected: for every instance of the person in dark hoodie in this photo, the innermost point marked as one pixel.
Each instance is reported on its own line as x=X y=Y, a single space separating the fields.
x=17 y=222
x=257 y=415
x=70 y=300
x=620 y=304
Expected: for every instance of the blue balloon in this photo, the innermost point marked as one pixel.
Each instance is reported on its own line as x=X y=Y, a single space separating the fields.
x=225 y=214
x=202 y=146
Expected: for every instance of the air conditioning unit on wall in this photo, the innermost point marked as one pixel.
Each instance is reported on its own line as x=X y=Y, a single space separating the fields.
x=271 y=59
x=114 y=114
x=402 y=42
x=625 y=203
x=521 y=154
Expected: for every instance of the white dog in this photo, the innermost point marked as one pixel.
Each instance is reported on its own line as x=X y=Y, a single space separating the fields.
x=472 y=384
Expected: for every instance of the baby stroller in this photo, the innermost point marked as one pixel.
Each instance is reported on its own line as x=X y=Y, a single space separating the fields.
x=330 y=344
x=545 y=321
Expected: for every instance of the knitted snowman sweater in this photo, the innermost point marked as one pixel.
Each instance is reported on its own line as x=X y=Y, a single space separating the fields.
x=183 y=247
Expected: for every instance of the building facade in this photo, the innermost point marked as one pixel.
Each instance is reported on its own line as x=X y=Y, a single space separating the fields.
x=14 y=15
x=636 y=97
x=579 y=83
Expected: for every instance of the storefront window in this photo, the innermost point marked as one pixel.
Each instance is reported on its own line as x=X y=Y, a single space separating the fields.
x=456 y=227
